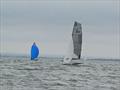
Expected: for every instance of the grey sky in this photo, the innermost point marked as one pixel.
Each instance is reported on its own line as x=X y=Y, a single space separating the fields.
x=49 y=23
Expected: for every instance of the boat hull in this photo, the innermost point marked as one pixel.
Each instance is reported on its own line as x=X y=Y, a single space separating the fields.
x=73 y=62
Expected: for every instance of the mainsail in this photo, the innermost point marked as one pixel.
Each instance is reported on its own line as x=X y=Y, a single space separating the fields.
x=74 y=49
x=77 y=39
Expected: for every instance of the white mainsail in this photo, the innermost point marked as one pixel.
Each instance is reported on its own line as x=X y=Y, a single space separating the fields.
x=74 y=48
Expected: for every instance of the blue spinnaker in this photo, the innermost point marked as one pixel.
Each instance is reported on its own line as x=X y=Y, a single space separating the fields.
x=34 y=52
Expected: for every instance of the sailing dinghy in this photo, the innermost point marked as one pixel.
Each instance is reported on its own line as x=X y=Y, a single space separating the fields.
x=74 y=49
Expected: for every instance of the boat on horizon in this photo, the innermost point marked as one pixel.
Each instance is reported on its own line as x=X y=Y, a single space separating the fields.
x=74 y=49
x=34 y=52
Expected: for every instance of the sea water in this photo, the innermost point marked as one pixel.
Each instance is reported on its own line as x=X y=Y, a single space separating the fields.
x=48 y=73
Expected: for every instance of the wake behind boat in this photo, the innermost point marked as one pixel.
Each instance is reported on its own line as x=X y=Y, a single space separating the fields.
x=74 y=50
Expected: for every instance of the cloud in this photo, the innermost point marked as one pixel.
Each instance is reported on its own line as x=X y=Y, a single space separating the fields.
x=61 y=12
x=50 y=23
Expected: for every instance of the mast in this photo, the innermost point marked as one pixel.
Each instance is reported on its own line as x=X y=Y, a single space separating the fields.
x=77 y=39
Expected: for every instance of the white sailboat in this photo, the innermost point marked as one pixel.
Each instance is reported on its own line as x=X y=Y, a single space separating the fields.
x=74 y=49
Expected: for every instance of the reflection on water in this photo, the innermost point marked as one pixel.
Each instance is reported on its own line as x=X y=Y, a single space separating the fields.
x=19 y=73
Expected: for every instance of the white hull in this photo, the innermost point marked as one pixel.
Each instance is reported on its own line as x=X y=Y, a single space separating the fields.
x=68 y=61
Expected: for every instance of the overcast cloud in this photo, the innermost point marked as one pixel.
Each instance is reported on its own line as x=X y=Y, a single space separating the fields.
x=50 y=22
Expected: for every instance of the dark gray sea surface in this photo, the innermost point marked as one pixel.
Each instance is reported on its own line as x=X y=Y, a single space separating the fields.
x=48 y=73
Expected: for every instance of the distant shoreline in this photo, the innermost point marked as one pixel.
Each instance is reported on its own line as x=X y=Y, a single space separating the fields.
x=58 y=56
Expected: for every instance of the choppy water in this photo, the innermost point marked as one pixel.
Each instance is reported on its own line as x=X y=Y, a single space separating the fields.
x=18 y=73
